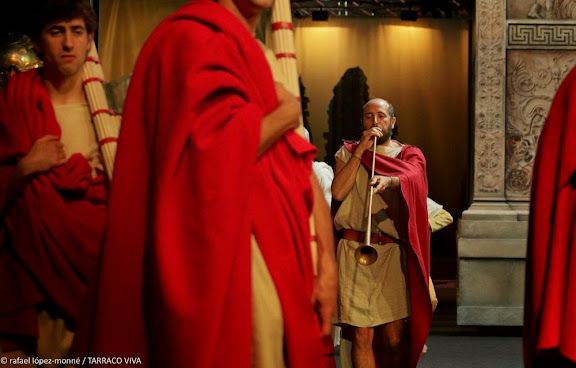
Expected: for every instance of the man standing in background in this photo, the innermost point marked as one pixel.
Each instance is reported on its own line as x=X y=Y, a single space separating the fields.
x=376 y=300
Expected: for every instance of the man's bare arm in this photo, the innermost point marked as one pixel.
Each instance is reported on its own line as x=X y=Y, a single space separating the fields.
x=285 y=117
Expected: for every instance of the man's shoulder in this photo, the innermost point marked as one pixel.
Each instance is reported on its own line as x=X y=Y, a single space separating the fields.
x=410 y=152
x=200 y=18
x=23 y=77
x=186 y=33
x=21 y=81
x=197 y=31
x=184 y=44
x=410 y=148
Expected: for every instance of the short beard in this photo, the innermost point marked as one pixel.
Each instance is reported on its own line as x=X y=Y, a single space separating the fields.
x=385 y=136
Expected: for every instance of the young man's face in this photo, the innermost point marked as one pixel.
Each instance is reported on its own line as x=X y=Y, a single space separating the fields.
x=64 y=46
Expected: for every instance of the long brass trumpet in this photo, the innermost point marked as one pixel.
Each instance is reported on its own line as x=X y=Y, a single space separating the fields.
x=367 y=254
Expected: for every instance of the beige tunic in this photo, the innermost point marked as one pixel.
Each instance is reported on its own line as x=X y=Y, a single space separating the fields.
x=78 y=135
x=267 y=317
x=268 y=322
x=376 y=294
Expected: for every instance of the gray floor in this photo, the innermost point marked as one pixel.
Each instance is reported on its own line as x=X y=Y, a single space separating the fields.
x=452 y=346
x=472 y=352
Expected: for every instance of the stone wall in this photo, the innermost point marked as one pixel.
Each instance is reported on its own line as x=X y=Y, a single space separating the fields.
x=523 y=49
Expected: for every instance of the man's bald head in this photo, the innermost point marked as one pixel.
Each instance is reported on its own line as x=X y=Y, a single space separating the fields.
x=383 y=102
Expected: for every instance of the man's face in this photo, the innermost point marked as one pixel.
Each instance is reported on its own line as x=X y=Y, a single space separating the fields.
x=64 y=46
x=377 y=114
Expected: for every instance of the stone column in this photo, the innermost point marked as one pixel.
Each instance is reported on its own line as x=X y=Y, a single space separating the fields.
x=523 y=50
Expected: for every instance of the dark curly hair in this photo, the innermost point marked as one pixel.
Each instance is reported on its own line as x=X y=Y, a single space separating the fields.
x=45 y=12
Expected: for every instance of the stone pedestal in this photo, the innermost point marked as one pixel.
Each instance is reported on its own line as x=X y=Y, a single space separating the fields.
x=491 y=252
x=522 y=51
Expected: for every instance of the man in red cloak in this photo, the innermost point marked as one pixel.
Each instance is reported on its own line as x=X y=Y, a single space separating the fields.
x=550 y=299
x=210 y=176
x=376 y=300
x=52 y=192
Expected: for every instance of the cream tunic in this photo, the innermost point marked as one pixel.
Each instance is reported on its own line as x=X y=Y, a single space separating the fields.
x=267 y=315
x=376 y=294
x=78 y=135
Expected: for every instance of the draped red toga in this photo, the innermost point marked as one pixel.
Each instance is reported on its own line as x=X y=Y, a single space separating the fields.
x=188 y=192
x=550 y=300
x=50 y=234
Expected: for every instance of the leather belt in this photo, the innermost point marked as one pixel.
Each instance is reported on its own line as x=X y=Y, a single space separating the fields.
x=375 y=238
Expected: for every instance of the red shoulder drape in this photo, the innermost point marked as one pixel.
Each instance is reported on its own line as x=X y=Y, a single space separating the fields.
x=410 y=167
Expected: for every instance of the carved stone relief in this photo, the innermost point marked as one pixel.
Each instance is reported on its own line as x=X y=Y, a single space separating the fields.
x=513 y=94
x=489 y=106
x=533 y=77
x=542 y=9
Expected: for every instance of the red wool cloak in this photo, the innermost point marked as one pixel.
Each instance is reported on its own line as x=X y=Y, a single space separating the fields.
x=410 y=167
x=550 y=299
x=50 y=234
x=188 y=192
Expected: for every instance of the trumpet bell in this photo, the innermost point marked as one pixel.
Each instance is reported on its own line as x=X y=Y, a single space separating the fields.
x=366 y=255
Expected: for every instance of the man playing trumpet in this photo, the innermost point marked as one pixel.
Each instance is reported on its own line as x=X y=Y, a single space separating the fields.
x=378 y=302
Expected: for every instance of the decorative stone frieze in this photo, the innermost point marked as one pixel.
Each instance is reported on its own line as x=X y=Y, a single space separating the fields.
x=533 y=77
x=490 y=99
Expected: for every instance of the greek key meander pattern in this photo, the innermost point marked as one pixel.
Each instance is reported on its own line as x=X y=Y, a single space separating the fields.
x=542 y=36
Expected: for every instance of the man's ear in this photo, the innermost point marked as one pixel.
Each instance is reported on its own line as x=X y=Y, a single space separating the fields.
x=393 y=122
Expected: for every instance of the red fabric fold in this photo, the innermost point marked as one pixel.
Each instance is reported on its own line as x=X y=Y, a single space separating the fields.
x=550 y=299
x=410 y=167
x=51 y=232
x=175 y=282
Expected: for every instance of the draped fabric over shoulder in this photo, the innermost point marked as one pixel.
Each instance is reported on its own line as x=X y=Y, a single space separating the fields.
x=550 y=299
x=188 y=192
